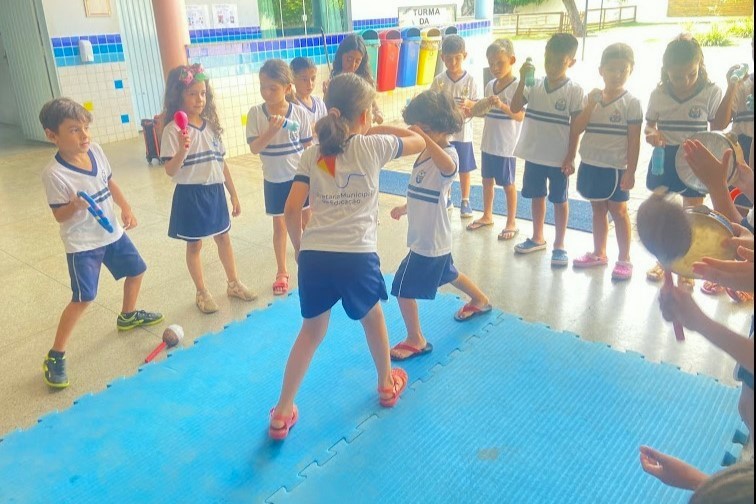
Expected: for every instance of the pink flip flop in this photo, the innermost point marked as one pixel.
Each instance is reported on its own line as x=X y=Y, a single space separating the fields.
x=279 y=433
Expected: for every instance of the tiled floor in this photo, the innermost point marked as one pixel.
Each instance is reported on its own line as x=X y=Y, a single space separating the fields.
x=34 y=277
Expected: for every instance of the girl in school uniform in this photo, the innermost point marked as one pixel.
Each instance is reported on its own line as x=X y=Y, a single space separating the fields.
x=194 y=160
x=337 y=252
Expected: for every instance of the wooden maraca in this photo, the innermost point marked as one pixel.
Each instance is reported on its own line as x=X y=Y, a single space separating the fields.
x=666 y=233
x=172 y=335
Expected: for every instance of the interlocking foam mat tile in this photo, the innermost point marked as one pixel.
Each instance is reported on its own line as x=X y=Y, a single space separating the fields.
x=524 y=414
x=581 y=216
x=193 y=428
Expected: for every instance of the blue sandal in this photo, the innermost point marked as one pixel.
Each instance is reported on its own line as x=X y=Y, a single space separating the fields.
x=559 y=258
x=529 y=246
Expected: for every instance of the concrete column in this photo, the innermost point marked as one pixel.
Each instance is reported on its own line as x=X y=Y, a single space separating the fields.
x=172 y=32
x=484 y=9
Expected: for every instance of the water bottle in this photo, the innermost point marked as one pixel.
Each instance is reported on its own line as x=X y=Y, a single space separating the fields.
x=292 y=126
x=530 y=76
x=739 y=72
x=657 y=161
x=749 y=103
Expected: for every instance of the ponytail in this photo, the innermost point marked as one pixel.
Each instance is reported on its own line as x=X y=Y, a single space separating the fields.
x=347 y=98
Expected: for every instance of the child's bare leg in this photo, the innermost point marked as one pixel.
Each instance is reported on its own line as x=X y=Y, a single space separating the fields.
x=464 y=185
x=622 y=227
x=306 y=215
x=131 y=288
x=600 y=227
x=510 y=191
x=477 y=297
x=538 y=206
x=310 y=336
x=561 y=214
x=488 y=200
x=411 y=318
x=226 y=254
x=279 y=243
x=377 y=339
x=194 y=263
x=68 y=319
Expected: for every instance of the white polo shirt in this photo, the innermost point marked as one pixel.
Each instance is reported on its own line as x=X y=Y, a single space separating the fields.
x=604 y=143
x=204 y=162
x=678 y=119
x=462 y=88
x=742 y=118
x=500 y=131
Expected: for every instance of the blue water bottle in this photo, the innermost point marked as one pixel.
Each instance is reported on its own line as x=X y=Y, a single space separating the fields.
x=292 y=126
x=657 y=161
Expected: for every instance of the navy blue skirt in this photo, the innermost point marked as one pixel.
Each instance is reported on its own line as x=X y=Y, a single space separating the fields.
x=198 y=211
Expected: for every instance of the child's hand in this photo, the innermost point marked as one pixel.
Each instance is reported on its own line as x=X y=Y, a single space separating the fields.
x=628 y=181
x=397 y=212
x=525 y=69
x=709 y=170
x=655 y=137
x=677 y=305
x=235 y=206
x=184 y=140
x=670 y=470
x=744 y=182
x=742 y=238
x=738 y=82
x=568 y=167
x=79 y=203
x=594 y=97
x=275 y=123
x=128 y=219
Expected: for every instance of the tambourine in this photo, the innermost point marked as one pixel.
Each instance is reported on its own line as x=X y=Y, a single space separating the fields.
x=717 y=143
x=481 y=107
x=709 y=231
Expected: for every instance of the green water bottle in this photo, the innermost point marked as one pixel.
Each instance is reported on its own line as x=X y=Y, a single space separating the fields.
x=530 y=76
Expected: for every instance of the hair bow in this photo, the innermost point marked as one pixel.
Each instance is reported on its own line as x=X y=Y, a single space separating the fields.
x=191 y=73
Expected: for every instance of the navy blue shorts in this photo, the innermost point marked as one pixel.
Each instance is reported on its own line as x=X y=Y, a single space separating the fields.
x=198 y=211
x=466 y=156
x=276 y=194
x=326 y=277
x=669 y=178
x=499 y=168
x=534 y=182
x=120 y=257
x=596 y=183
x=419 y=276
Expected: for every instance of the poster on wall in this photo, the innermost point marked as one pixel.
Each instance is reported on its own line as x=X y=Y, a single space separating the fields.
x=225 y=15
x=97 y=8
x=198 y=16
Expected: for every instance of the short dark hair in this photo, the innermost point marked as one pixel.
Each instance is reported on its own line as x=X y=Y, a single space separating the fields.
x=56 y=111
x=301 y=63
x=618 y=51
x=502 y=45
x=453 y=44
x=562 y=43
x=435 y=110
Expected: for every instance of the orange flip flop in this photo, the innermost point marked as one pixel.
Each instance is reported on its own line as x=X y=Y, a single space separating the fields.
x=279 y=433
x=400 y=378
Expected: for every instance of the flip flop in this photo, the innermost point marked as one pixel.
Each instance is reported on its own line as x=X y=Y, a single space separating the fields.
x=400 y=378
x=469 y=311
x=415 y=352
x=529 y=246
x=508 y=234
x=738 y=296
x=279 y=433
x=712 y=288
x=477 y=225
x=281 y=285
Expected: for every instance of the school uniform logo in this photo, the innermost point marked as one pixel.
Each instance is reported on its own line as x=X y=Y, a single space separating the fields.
x=616 y=117
x=695 y=112
x=216 y=142
x=561 y=105
x=420 y=176
x=327 y=164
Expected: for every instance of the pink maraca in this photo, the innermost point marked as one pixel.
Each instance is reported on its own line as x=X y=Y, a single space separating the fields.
x=181 y=120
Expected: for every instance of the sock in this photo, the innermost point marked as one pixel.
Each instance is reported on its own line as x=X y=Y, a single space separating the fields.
x=127 y=315
x=55 y=354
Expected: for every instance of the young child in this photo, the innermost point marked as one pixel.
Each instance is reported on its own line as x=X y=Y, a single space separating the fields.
x=279 y=149
x=429 y=264
x=305 y=74
x=459 y=85
x=352 y=57
x=547 y=144
x=81 y=166
x=500 y=132
x=194 y=160
x=612 y=120
x=735 y=109
x=337 y=252
x=684 y=102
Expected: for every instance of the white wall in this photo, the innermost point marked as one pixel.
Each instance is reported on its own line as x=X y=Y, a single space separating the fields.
x=371 y=9
x=248 y=13
x=67 y=17
x=8 y=105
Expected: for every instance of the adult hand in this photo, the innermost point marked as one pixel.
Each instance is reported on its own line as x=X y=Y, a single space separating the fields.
x=736 y=275
x=670 y=470
x=709 y=170
x=677 y=306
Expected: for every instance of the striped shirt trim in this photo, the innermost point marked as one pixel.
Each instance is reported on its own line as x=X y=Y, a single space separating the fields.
x=192 y=157
x=498 y=115
x=302 y=178
x=661 y=122
x=206 y=159
x=284 y=153
x=423 y=190
x=305 y=140
x=600 y=131
x=421 y=197
x=683 y=128
x=563 y=122
x=99 y=193
x=103 y=197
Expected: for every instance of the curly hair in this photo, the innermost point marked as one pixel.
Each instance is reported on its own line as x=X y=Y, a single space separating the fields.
x=174 y=98
x=435 y=110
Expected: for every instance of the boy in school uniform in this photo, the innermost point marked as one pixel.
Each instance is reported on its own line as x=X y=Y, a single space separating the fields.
x=546 y=143
x=459 y=85
x=81 y=165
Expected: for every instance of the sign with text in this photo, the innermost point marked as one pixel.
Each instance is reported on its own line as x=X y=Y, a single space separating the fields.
x=428 y=15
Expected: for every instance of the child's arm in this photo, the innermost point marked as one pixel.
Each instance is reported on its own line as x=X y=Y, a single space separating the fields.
x=677 y=305
x=293 y=213
x=568 y=165
x=412 y=142
x=633 y=152
x=670 y=470
x=518 y=100
x=231 y=188
x=65 y=212
x=507 y=109
x=654 y=137
x=723 y=116
x=127 y=216
x=441 y=159
x=174 y=164
x=584 y=117
x=275 y=124
x=397 y=212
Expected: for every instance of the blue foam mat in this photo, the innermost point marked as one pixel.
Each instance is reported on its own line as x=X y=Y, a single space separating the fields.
x=529 y=415
x=581 y=213
x=193 y=428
